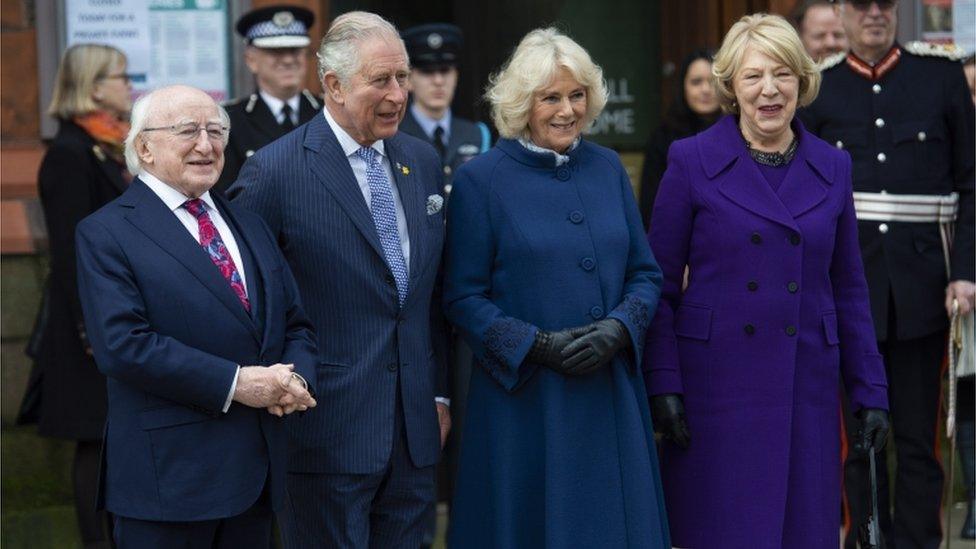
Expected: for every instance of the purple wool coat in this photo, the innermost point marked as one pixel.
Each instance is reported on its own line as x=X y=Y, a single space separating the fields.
x=775 y=314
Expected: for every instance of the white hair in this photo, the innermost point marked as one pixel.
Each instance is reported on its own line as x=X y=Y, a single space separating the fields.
x=142 y=111
x=339 y=50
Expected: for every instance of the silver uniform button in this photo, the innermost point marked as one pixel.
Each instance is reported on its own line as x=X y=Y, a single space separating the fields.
x=840 y=144
x=882 y=157
x=879 y=122
x=922 y=136
x=248 y=154
x=884 y=191
x=876 y=88
x=883 y=228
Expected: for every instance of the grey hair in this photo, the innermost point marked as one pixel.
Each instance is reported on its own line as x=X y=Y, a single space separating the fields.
x=142 y=110
x=338 y=51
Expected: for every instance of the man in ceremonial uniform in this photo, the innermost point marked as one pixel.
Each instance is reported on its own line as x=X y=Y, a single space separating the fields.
x=433 y=51
x=276 y=54
x=905 y=115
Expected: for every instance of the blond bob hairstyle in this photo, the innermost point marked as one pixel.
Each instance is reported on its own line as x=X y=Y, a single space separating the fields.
x=773 y=36
x=82 y=65
x=538 y=57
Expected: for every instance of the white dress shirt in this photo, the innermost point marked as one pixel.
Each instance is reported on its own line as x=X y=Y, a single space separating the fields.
x=358 y=165
x=429 y=125
x=174 y=200
x=275 y=105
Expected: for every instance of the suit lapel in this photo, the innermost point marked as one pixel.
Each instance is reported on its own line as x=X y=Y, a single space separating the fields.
x=330 y=165
x=411 y=196
x=151 y=216
x=803 y=188
x=253 y=265
x=265 y=121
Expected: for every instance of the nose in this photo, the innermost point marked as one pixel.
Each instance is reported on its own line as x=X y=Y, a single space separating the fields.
x=565 y=107
x=769 y=85
x=202 y=144
x=874 y=9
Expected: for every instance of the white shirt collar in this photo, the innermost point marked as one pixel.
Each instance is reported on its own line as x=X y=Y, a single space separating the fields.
x=348 y=144
x=173 y=198
x=276 y=104
x=428 y=124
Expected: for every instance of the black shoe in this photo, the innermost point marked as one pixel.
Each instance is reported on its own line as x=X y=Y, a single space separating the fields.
x=969 y=527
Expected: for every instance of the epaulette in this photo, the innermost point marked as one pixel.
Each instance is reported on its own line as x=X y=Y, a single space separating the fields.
x=230 y=102
x=251 y=101
x=311 y=99
x=927 y=49
x=831 y=61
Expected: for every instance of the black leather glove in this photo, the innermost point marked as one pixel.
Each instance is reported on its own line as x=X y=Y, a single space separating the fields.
x=668 y=414
x=595 y=349
x=873 y=432
x=548 y=346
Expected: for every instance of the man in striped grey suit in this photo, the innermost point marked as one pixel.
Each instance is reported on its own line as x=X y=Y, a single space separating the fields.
x=357 y=211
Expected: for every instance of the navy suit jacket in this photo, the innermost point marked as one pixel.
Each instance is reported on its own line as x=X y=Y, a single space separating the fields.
x=372 y=352
x=169 y=332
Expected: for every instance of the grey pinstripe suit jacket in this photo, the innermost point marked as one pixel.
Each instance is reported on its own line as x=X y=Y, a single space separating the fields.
x=369 y=347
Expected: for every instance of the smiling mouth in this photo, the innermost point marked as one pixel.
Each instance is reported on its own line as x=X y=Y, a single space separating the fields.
x=770 y=109
x=563 y=127
x=201 y=162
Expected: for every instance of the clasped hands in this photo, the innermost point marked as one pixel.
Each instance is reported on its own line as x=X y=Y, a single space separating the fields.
x=275 y=388
x=581 y=350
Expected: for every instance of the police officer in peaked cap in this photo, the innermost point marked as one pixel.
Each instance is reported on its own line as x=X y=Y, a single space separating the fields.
x=434 y=51
x=277 y=56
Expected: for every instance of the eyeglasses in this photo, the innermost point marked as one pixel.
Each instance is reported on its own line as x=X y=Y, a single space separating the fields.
x=190 y=130
x=125 y=77
x=863 y=5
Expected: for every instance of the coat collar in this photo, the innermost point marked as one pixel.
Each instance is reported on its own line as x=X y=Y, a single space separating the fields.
x=154 y=219
x=725 y=159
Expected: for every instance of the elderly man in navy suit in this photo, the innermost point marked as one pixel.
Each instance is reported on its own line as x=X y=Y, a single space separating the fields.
x=194 y=316
x=356 y=207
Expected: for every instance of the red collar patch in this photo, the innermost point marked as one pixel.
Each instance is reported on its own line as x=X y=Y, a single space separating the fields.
x=880 y=69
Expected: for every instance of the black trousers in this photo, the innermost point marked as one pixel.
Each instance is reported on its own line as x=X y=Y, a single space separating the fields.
x=914 y=369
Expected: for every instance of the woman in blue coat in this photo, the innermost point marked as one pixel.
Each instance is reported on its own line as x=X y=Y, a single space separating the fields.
x=551 y=282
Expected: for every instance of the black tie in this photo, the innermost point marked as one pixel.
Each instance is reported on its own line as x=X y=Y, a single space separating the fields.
x=286 y=123
x=439 y=141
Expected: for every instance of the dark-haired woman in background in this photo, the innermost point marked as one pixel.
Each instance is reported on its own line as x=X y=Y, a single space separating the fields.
x=82 y=170
x=693 y=109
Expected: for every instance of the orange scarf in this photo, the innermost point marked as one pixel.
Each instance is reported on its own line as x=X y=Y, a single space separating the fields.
x=108 y=130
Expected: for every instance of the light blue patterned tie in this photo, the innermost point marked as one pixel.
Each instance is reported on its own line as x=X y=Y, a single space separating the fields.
x=382 y=207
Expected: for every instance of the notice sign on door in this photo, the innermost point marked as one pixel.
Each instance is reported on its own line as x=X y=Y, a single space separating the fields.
x=166 y=41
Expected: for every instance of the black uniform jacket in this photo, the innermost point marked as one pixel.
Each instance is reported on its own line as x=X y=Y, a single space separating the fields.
x=252 y=126
x=909 y=131
x=468 y=139
x=66 y=392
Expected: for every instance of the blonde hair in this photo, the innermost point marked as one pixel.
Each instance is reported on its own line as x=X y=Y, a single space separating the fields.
x=339 y=50
x=773 y=36
x=536 y=60
x=82 y=65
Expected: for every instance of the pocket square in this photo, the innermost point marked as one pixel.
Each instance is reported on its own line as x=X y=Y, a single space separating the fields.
x=434 y=203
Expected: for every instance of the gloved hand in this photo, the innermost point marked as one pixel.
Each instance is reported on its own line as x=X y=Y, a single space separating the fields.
x=873 y=432
x=668 y=414
x=548 y=346
x=595 y=349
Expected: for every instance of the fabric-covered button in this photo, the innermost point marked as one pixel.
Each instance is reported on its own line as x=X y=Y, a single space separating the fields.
x=882 y=157
x=922 y=136
x=752 y=285
x=390 y=280
x=792 y=287
x=562 y=173
x=883 y=228
x=795 y=239
x=876 y=88
x=392 y=366
x=750 y=329
x=587 y=263
x=576 y=216
x=755 y=238
x=596 y=312
x=879 y=122
x=791 y=330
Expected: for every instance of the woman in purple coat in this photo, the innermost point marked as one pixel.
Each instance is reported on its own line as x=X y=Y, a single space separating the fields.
x=745 y=356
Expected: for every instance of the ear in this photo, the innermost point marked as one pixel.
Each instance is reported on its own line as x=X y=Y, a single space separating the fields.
x=251 y=59
x=143 y=151
x=333 y=87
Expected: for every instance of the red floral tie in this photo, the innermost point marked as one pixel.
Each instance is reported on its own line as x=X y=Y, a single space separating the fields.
x=214 y=245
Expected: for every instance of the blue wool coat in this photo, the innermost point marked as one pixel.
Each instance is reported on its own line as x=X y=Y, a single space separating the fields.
x=774 y=313
x=548 y=460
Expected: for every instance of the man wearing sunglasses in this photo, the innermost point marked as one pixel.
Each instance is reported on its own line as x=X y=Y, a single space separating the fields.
x=905 y=115
x=434 y=55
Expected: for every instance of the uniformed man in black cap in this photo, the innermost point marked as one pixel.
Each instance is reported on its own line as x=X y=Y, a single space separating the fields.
x=434 y=49
x=276 y=54
x=905 y=115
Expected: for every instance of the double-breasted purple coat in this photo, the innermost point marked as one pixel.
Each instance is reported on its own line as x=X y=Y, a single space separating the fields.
x=774 y=313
